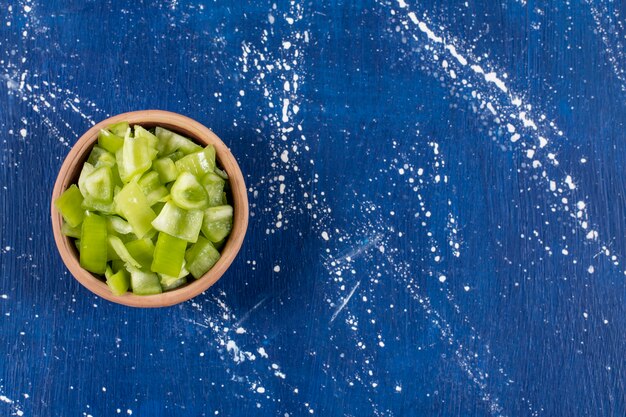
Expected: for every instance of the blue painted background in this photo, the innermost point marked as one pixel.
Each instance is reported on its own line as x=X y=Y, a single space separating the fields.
x=407 y=253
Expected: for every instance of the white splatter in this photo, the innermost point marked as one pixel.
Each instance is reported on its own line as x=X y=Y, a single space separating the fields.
x=344 y=302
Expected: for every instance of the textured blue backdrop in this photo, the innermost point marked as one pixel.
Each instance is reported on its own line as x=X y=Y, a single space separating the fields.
x=437 y=202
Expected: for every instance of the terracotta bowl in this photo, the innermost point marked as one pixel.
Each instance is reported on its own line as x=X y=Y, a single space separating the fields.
x=70 y=171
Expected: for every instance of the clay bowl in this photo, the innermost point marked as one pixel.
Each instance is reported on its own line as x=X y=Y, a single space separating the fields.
x=70 y=171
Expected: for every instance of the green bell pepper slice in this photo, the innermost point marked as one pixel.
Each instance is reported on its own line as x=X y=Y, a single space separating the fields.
x=201 y=257
x=198 y=163
x=169 y=255
x=93 y=244
x=70 y=205
x=187 y=192
x=217 y=222
x=132 y=204
x=178 y=222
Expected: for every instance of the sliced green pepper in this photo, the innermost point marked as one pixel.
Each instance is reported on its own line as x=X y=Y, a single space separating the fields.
x=119 y=282
x=133 y=206
x=141 y=133
x=142 y=250
x=152 y=187
x=183 y=224
x=187 y=193
x=175 y=156
x=201 y=257
x=166 y=169
x=214 y=186
x=171 y=142
x=118 y=246
x=70 y=231
x=96 y=186
x=198 y=163
x=169 y=255
x=144 y=283
x=70 y=206
x=169 y=283
x=221 y=173
x=93 y=204
x=217 y=222
x=119 y=128
x=110 y=141
x=93 y=244
x=118 y=225
x=101 y=157
x=135 y=157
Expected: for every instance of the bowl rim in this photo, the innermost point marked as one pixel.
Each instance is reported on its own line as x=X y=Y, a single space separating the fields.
x=195 y=131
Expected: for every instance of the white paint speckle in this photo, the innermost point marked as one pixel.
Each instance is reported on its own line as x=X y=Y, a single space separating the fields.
x=232 y=347
x=23 y=133
x=262 y=352
x=277 y=268
x=325 y=235
x=442 y=278
x=431 y=35
x=454 y=53
x=285 y=110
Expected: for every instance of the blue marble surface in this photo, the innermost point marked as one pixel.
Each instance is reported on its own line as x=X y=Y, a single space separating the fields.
x=437 y=202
